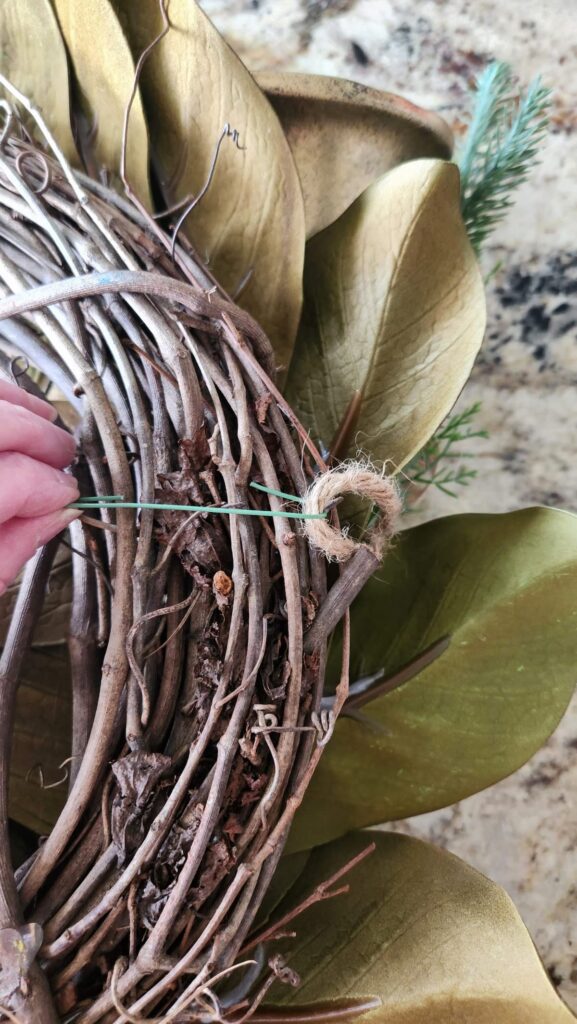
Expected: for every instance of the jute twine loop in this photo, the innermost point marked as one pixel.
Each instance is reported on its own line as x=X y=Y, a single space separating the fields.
x=352 y=478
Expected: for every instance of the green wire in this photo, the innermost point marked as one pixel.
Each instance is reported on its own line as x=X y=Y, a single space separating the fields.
x=277 y=494
x=91 y=504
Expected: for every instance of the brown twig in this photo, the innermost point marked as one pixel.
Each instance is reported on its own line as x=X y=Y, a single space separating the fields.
x=323 y=891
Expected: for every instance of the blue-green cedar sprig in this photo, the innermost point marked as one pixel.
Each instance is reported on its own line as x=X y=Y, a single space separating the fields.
x=501 y=147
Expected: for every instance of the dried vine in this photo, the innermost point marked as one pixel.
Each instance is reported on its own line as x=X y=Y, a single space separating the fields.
x=196 y=693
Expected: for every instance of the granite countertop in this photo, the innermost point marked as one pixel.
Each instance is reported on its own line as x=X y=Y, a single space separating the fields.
x=523 y=831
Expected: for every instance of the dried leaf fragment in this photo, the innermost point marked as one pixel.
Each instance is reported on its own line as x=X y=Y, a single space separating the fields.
x=137 y=777
x=18 y=948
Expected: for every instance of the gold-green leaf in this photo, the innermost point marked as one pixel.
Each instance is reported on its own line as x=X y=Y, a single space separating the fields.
x=251 y=219
x=33 y=58
x=434 y=940
x=343 y=135
x=104 y=71
x=504 y=587
x=41 y=740
x=394 y=310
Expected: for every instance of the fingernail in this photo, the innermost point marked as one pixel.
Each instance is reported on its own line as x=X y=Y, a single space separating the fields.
x=53 y=413
x=67 y=481
x=67 y=516
x=55 y=523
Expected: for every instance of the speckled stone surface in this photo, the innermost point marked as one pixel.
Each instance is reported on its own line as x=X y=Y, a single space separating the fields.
x=522 y=832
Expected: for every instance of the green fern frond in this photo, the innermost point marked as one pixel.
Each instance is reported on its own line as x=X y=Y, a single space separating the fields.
x=500 y=149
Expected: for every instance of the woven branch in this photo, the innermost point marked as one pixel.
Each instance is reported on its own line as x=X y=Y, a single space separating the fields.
x=193 y=698
x=197 y=641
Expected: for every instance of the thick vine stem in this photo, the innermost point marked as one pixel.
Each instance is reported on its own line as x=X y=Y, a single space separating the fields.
x=197 y=642
x=173 y=813
x=30 y=1001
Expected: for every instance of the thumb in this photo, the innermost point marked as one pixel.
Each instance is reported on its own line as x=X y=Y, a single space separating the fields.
x=20 y=538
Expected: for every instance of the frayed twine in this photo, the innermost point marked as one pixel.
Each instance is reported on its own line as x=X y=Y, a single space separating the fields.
x=351 y=478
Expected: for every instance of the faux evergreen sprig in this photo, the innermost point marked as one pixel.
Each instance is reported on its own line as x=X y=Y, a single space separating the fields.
x=435 y=466
x=501 y=147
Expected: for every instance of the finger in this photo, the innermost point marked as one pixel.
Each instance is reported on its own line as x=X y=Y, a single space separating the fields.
x=24 y=431
x=20 y=538
x=29 y=488
x=18 y=396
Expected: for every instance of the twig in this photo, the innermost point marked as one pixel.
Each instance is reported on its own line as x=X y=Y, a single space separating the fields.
x=323 y=891
x=227 y=132
x=354 y=574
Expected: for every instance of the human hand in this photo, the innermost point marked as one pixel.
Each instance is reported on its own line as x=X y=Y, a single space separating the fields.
x=33 y=489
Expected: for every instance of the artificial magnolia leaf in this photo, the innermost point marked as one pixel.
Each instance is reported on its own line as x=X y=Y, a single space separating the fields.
x=394 y=311
x=251 y=218
x=504 y=587
x=104 y=71
x=34 y=60
x=53 y=622
x=343 y=135
x=434 y=940
x=41 y=739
